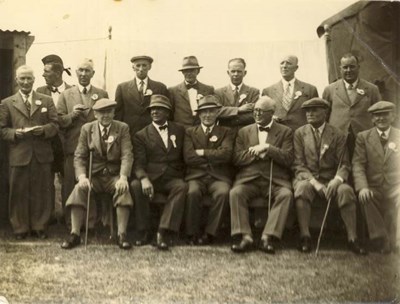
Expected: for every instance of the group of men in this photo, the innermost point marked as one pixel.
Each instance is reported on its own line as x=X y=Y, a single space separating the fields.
x=192 y=146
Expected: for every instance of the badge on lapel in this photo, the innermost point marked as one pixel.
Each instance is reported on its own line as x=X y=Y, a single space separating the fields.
x=325 y=147
x=242 y=97
x=148 y=92
x=95 y=97
x=43 y=110
x=38 y=102
x=297 y=94
x=213 y=138
x=173 y=139
x=392 y=146
x=360 y=91
x=110 y=139
x=199 y=96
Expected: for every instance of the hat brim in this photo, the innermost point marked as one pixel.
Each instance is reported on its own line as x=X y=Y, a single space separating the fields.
x=207 y=107
x=104 y=108
x=150 y=60
x=382 y=111
x=190 y=67
x=158 y=106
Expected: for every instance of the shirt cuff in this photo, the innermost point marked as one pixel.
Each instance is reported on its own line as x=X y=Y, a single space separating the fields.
x=339 y=178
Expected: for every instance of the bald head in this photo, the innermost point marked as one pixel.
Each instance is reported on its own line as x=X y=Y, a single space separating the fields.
x=263 y=111
x=288 y=67
x=265 y=103
x=85 y=71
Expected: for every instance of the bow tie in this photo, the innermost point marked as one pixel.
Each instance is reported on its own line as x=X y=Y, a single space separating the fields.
x=192 y=86
x=264 y=129
x=54 y=90
x=164 y=127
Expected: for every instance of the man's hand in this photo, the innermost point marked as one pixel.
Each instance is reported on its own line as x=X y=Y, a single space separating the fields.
x=19 y=134
x=121 y=185
x=78 y=109
x=247 y=107
x=319 y=187
x=199 y=152
x=84 y=183
x=331 y=190
x=365 y=195
x=258 y=150
x=37 y=131
x=147 y=187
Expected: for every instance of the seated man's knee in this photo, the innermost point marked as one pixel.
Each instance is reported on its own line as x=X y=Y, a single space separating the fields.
x=304 y=190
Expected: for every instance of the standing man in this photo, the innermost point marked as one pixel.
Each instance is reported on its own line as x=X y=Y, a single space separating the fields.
x=260 y=148
x=112 y=162
x=185 y=96
x=133 y=96
x=28 y=122
x=237 y=99
x=208 y=152
x=321 y=167
x=159 y=167
x=350 y=97
x=289 y=94
x=376 y=171
x=74 y=109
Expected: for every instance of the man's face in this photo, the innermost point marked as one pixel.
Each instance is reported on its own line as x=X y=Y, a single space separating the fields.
x=84 y=73
x=190 y=75
x=50 y=76
x=349 y=69
x=208 y=116
x=25 y=81
x=262 y=113
x=288 y=67
x=236 y=72
x=105 y=116
x=383 y=120
x=141 y=68
x=159 y=115
x=316 y=116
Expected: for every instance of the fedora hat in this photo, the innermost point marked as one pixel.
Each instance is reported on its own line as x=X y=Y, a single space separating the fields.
x=190 y=62
x=208 y=102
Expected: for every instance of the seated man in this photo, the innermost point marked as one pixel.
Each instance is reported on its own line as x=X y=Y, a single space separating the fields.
x=208 y=152
x=376 y=171
x=260 y=148
x=112 y=162
x=321 y=167
x=159 y=167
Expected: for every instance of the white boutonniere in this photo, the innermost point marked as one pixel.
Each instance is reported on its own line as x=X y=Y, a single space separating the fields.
x=242 y=97
x=110 y=139
x=213 y=138
x=392 y=146
x=38 y=102
x=325 y=147
x=360 y=91
x=173 y=139
x=148 y=92
x=43 y=110
x=297 y=94
x=95 y=97
x=199 y=96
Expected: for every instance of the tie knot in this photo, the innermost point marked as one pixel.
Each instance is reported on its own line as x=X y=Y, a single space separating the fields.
x=383 y=136
x=84 y=91
x=55 y=90
x=105 y=134
x=191 y=86
x=350 y=87
x=264 y=129
x=208 y=130
x=164 y=127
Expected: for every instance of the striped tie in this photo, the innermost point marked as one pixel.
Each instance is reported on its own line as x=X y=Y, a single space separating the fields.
x=287 y=98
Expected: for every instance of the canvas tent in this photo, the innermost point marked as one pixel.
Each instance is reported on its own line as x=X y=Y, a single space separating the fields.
x=371 y=30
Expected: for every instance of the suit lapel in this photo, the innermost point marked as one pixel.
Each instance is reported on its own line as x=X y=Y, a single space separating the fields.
x=393 y=138
x=326 y=140
x=20 y=105
x=361 y=85
x=133 y=90
x=35 y=100
x=341 y=92
x=376 y=143
x=184 y=93
x=310 y=144
x=113 y=135
x=153 y=134
x=96 y=138
x=229 y=95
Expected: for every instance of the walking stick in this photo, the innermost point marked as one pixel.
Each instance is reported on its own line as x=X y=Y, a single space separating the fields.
x=88 y=196
x=270 y=186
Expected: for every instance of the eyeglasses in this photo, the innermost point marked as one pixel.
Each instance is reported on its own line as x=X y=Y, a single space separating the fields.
x=259 y=111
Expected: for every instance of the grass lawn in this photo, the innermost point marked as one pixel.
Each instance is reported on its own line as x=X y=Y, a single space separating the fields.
x=40 y=272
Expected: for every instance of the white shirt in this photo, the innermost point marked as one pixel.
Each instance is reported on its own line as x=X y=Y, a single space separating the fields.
x=55 y=95
x=102 y=128
x=262 y=136
x=386 y=133
x=88 y=87
x=205 y=128
x=192 y=92
x=163 y=133
x=145 y=83
x=29 y=96
x=286 y=83
x=234 y=87
x=320 y=129
x=354 y=85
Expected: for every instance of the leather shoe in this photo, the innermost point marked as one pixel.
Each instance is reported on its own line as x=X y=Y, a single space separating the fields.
x=40 y=234
x=161 y=243
x=385 y=248
x=205 y=239
x=356 y=247
x=123 y=242
x=243 y=246
x=191 y=240
x=305 y=244
x=144 y=239
x=73 y=241
x=20 y=236
x=268 y=244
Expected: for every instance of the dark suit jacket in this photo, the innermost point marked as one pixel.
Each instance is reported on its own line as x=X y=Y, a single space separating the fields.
x=72 y=127
x=322 y=164
x=344 y=114
x=218 y=148
x=119 y=157
x=152 y=159
x=131 y=107
x=373 y=167
x=296 y=116
x=280 y=151
x=182 y=113
x=46 y=90
x=15 y=115
x=229 y=114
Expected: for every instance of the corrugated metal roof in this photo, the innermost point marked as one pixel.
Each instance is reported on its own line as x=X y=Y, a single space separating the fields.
x=14 y=32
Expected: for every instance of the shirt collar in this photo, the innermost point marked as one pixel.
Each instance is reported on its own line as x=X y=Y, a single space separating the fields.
x=61 y=88
x=387 y=132
x=29 y=96
x=103 y=127
x=88 y=87
x=354 y=84
x=233 y=87
x=145 y=81
x=268 y=125
x=321 y=128
x=285 y=82
x=204 y=127
x=158 y=126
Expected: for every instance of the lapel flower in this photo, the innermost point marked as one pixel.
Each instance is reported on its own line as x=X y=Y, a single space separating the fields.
x=199 y=96
x=392 y=146
x=43 y=110
x=148 y=92
x=325 y=147
x=110 y=139
x=297 y=94
x=173 y=139
x=213 y=138
x=95 y=97
x=242 y=97
x=38 y=102
x=360 y=91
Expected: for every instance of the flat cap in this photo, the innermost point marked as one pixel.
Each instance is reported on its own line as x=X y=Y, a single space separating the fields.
x=103 y=103
x=315 y=103
x=208 y=102
x=142 y=57
x=160 y=101
x=381 y=107
x=190 y=62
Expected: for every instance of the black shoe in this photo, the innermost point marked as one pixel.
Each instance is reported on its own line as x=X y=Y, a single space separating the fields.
x=161 y=242
x=205 y=239
x=123 y=242
x=244 y=245
x=73 y=241
x=143 y=239
x=40 y=234
x=21 y=236
x=356 y=247
x=269 y=244
x=305 y=244
x=385 y=248
x=192 y=240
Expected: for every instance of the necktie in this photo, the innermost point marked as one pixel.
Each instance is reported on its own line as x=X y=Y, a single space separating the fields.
x=383 y=139
x=287 y=98
x=351 y=92
x=236 y=94
x=84 y=91
x=164 y=127
x=55 y=90
x=208 y=131
x=264 y=129
x=141 y=87
x=27 y=103
x=191 y=86
x=317 y=138
x=105 y=134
